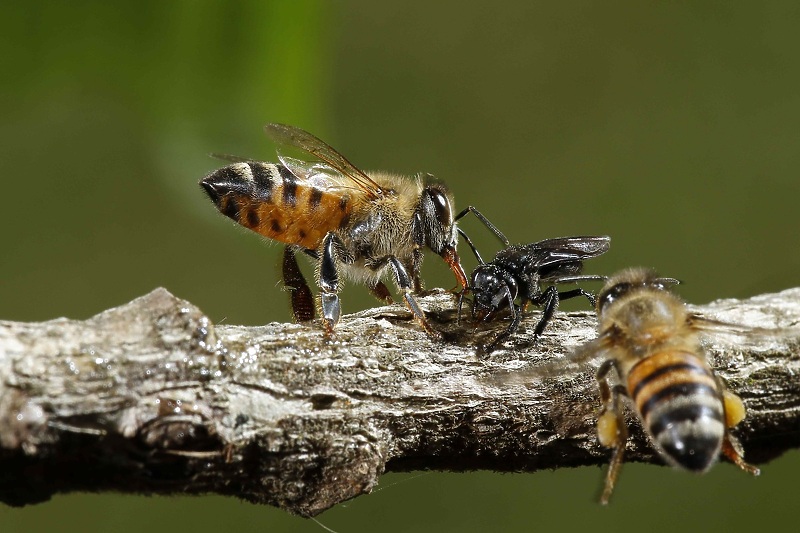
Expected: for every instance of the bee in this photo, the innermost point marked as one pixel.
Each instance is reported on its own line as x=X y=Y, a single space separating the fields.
x=652 y=343
x=519 y=271
x=350 y=222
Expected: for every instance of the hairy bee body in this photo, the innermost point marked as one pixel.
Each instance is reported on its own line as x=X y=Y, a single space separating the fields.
x=353 y=223
x=652 y=341
x=268 y=199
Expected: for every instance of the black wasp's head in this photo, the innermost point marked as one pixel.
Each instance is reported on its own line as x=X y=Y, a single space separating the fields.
x=492 y=289
x=433 y=225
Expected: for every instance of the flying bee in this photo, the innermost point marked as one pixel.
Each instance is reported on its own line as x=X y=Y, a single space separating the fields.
x=350 y=222
x=652 y=342
x=519 y=271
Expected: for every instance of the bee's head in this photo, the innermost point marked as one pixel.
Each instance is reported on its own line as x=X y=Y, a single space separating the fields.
x=491 y=290
x=433 y=225
x=628 y=281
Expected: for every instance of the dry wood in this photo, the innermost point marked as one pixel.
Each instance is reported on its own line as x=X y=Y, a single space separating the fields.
x=150 y=397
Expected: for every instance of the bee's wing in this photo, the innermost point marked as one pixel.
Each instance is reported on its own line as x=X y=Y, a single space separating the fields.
x=583 y=356
x=292 y=136
x=712 y=326
x=317 y=174
x=230 y=158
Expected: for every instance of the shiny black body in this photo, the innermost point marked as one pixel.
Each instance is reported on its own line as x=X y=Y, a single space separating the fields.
x=518 y=272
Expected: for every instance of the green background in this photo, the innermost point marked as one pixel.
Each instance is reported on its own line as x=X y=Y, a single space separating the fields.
x=673 y=128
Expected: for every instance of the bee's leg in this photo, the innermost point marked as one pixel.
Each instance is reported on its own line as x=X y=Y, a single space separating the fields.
x=611 y=429
x=732 y=449
x=404 y=283
x=301 y=297
x=414 y=268
x=380 y=292
x=329 y=283
x=734 y=413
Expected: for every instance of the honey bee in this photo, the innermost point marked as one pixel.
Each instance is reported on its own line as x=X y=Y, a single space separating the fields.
x=350 y=222
x=652 y=342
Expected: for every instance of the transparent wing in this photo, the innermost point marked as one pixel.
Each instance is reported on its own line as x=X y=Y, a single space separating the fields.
x=316 y=174
x=584 y=247
x=585 y=356
x=292 y=136
x=553 y=253
x=230 y=158
x=711 y=326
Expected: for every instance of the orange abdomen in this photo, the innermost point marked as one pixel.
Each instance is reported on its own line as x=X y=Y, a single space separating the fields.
x=268 y=199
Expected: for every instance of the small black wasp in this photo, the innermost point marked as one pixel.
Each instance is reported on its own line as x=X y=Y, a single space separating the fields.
x=519 y=271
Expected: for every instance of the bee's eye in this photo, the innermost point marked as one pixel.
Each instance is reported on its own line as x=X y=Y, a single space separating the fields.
x=608 y=296
x=441 y=206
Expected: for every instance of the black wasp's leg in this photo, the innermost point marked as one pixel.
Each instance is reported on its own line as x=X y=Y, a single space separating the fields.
x=549 y=301
x=611 y=429
x=574 y=293
x=404 y=284
x=460 y=305
x=380 y=292
x=492 y=227
x=516 y=318
x=329 y=283
x=300 y=294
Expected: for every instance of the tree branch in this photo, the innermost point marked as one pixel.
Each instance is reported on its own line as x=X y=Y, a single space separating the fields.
x=150 y=397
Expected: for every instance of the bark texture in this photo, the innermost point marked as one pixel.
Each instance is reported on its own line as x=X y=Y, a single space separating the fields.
x=150 y=397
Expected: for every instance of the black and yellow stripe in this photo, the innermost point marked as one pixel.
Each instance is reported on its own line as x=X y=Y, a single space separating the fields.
x=268 y=199
x=680 y=403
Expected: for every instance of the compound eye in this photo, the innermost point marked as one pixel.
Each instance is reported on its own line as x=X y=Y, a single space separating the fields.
x=482 y=286
x=608 y=297
x=441 y=205
x=489 y=291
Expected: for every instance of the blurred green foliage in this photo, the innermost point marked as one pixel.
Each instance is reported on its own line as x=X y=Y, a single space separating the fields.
x=672 y=127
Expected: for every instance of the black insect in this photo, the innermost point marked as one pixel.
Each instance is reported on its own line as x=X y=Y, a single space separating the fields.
x=520 y=271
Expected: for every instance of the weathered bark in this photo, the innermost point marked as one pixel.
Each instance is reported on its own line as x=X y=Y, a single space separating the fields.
x=150 y=397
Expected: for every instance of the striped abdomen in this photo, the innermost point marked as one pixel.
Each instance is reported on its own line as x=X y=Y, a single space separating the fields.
x=680 y=403
x=268 y=199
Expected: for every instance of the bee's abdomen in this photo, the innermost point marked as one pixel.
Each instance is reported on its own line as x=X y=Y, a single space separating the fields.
x=268 y=199
x=679 y=401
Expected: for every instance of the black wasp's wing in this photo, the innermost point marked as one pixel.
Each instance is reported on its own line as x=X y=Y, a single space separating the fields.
x=563 y=257
x=547 y=256
x=584 y=247
x=292 y=136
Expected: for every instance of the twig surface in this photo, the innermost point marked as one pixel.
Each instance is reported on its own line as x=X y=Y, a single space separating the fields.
x=150 y=397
